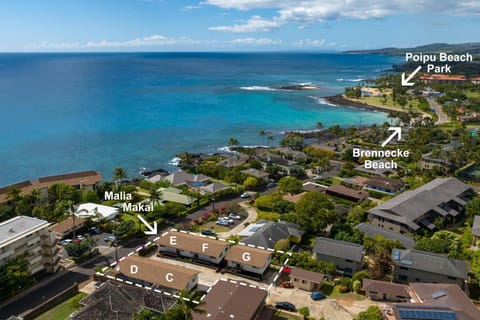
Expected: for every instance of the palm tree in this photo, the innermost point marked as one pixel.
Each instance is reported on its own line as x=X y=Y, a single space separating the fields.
x=319 y=128
x=119 y=174
x=14 y=194
x=233 y=141
x=270 y=138
x=263 y=134
x=189 y=303
x=155 y=196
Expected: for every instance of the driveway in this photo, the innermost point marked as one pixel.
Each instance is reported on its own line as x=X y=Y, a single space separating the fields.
x=252 y=217
x=331 y=309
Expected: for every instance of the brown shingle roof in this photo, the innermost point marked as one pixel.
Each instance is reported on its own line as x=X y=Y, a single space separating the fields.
x=313 y=277
x=227 y=301
x=156 y=272
x=66 y=225
x=393 y=289
x=193 y=243
x=258 y=257
x=344 y=191
x=392 y=185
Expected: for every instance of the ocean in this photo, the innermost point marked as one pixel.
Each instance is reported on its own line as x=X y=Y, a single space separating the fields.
x=79 y=111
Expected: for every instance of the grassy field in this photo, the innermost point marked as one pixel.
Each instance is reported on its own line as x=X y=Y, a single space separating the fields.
x=63 y=310
x=390 y=104
x=267 y=215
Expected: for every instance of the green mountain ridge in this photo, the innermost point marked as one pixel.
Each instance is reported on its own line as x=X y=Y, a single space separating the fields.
x=470 y=47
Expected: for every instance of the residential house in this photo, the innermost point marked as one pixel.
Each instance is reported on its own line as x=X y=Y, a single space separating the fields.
x=442 y=78
x=436 y=301
x=214 y=187
x=347 y=193
x=475 y=80
x=234 y=160
x=379 y=168
x=175 y=195
x=86 y=180
x=385 y=291
x=312 y=186
x=114 y=301
x=347 y=256
x=30 y=236
x=95 y=211
x=306 y=280
x=384 y=185
x=421 y=266
x=286 y=165
x=248 y=259
x=183 y=178
x=153 y=273
x=442 y=198
x=356 y=182
x=373 y=231
x=67 y=226
x=233 y=300
x=193 y=246
x=476 y=230
x=429 y=161
x=265 y=234
x=259 y=174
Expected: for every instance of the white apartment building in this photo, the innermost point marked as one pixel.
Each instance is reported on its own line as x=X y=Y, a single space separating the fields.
x=30 y=236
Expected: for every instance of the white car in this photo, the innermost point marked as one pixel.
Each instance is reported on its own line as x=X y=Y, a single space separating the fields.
x=245 y=195
x=234 y=216
x=65 y=242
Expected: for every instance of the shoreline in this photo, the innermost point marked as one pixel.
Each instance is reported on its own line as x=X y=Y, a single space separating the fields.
x=342 y=101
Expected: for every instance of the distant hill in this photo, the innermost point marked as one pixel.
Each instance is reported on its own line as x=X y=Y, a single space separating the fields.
x=472 y=47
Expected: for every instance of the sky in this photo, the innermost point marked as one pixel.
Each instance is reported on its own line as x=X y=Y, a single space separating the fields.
x=233 y=25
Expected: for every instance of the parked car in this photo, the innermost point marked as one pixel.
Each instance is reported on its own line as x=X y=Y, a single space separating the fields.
x=81 y=237
x=95 y=230
x=317 y=295
x=76 y=240
x=271 y=185
x=227 y=219
x=222 y=223
x=245 y=195
x=110 y=238
x=234 y=216
x=286 y=284
x=208 y=232
x=65 y=242
x=98 y=284
x=284 y=305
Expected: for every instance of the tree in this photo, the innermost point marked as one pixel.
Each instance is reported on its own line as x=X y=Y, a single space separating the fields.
x=119 y=174
x=14 y=276
x=250 y=183
x=372 y=313
x=291 y=185
x=282 y=245
x=293 y=140
x=233 y=141
x=189 y=302
x=155 y=196
x=305 y=312
x=263 y=134
x=314 y=212
x=270 y=138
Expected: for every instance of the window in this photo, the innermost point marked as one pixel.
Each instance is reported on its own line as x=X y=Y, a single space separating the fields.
x=417 y=279
x=402 y=277
x=403 y=268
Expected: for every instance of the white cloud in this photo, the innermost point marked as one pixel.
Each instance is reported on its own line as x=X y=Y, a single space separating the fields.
x=306 y=43
x=254 y=24
x=186 y=8
x=311 y=11
x=256 y=41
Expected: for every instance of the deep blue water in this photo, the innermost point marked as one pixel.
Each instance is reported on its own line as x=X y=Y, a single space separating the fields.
x=69 y=112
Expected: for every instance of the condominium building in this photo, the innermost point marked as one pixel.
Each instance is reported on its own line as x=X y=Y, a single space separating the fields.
x=31 y=237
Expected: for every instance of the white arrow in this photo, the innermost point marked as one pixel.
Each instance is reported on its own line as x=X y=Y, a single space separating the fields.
x=405 y=82
x=153 y=231
x=396 y=131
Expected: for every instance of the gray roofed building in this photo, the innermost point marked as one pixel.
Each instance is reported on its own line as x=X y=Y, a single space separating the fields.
x=412 y=210
x=384 y=185
x=234 y=160
x=256 y=173
x=421 y=266
x=214 y=187
x=347 y=256
x=115 y=301
x=268 y=233
x=178 y=178
x=379 y=170
x=372 y=231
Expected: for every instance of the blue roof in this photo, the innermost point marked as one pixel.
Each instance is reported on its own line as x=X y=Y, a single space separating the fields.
x=427 y=314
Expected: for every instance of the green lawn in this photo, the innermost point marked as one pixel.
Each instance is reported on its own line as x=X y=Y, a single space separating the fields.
x=213 y=225
x=63 y=310
x=267 y=215
x=280 y=315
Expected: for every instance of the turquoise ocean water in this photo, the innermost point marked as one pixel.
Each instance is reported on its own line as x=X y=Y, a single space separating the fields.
x=70 y=112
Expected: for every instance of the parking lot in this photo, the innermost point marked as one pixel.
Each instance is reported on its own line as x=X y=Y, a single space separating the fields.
x=331 y=309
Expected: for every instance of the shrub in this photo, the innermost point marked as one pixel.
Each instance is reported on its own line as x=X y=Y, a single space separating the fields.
x=357 y=285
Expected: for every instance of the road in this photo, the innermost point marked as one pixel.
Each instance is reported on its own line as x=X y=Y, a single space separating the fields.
x=442 y=117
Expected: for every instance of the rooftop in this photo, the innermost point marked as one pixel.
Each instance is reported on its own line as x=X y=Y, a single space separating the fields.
x=156 y=272
x=66 y=225
x=411 y=205
x=373 y=231
x=393 y=289
x=19 y=227
x=339 y=249
x=430 y=262
x=476 y=226
x=227 y=300
x=193 y=243
x=310 y=276
x=256 y=173
x=268 y=233
x=351 y=193
x=392 y=185
x=257 y=257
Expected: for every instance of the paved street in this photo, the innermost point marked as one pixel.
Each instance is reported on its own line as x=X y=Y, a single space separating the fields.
x=442 y=117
